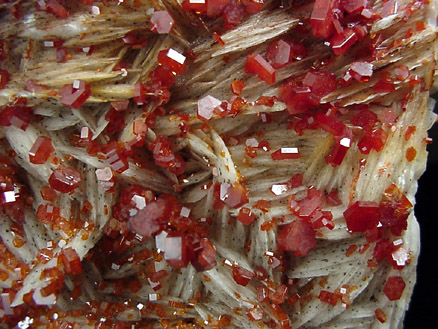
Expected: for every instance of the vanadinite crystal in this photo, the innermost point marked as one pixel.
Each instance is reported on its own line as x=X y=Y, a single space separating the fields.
x=65 y=179
x=41 y=150
x=173 y=59
x=362 y=215
x=241 y=275
x=394 y=287
x=71 y=261
x=75 y=94
x=161 y=22
x=256 y=64
x=297 y=237
x=322 y=17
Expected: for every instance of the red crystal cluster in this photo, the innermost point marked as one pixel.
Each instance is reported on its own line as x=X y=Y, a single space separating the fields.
x=180 y=238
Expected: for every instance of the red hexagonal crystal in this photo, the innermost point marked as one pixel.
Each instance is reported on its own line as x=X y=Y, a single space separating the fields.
x=320 y=83
x=297 y=98
x=394 y=209
x=235 y=196
x=75 y=94
x=71 y=261
x=17 y=116
x=361 y=71
x=282 y=52
x=256 y=64
x=342 y=41
x=147 y=221
x=47 y=213
x=41 y=150
x=233 y=15
x=205 y=256
x=206 y=107
x=241 y=275
x=115 y=156
x=4 y=78
x=297 y=237
x=328 y=297
x=54 y=7
x=65 y=179
x=322 y=17
x=365 y=119
x=245 y=216
x=372 y=140
x=385 y=84
x=361 y=216
x=161 y=22
x=173 y=59
x=341 y=145
x=215 y=7
x=394 y=287
x=331 y=125
x=175 y=248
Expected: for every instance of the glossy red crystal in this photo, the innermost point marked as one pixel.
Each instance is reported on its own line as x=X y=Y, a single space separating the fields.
x=215 y=7
x=237 y=87
x=75 y=94
x=64 y=179
x=235 y=196
x=328 y=297
x=297 y=237
x=384 y=85
x=175 y=248
x=365 y=119
x=340 y=149
x=115 y=156
x=394 y=287
x=233 y=15
x=161 y=22
x=361 y=216
x=4 y=78
x=148 y=220
x=71 y=261
x=54 y=7
x=241 y=275
x=322 y=17
x=361 y=71
x=286 y=153
x=17 y=116
x=372 y=140
x=41 y=150
x=296 y=98
x=256 y=64
x=394 y=209
x=173 y=59
x=341 y=42
x=283 y=52
x=205 y=256
x=321 y=83
x=162 y=75
x=206 y=107
x=245 y=216
x=47 y=213
x=332 y=125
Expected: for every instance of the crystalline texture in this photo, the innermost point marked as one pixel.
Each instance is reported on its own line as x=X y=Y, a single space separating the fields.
x=65 y=179
x=75 y=94
x=41 y=150
x=161 y=22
